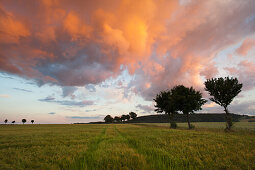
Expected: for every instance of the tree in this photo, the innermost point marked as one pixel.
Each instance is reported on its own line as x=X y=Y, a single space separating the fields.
x=24 y=121
x=32 y=121
x=165 y=103
x=128 y=117
x=108 y=119
x=13 y=122
x=223 y=91
x=187 y=100
x=123 y=117
x=5 y=121
x=117 y=119
x=133 y=115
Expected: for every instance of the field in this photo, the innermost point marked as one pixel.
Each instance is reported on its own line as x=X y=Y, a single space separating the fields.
x=127 y=146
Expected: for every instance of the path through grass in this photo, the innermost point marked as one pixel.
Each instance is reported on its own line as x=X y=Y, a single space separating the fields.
x=123 y=146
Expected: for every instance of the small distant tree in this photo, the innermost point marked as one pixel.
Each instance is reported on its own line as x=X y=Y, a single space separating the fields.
x=117 y=119
x=108 y=119
x=123 y=118
x=128 y=117
x=32 y=121
x=24 y=121
x=13 y=122
x=133 y=115
x=187 y=100
x=165 y=103
x=223 y=91
x=5 y=121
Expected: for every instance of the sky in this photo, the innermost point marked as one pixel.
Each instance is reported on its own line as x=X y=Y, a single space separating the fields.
x=67 y=61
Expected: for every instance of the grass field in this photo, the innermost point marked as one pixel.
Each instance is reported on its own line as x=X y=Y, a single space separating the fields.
x=126 y=146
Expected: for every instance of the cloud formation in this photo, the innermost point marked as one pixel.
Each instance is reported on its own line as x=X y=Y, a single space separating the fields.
x=83 y=103
x=162 y=43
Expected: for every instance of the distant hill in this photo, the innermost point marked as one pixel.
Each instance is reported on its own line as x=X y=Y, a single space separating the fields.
x=201 y=117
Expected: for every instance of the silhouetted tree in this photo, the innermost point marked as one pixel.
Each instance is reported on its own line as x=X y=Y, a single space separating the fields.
x=108 y=119
x=13 y=122
x=128 y=117
x=165 y=103
x=5 y=121
x=117 y=119
x=133 y=115
x=187 y=100
x=123 y=117
x=223 y=91
x=24 y=121
x=32 y=121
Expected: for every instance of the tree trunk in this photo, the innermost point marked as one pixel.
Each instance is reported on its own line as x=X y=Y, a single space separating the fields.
x=187 y=114
x=171 y=120
x=228 y=119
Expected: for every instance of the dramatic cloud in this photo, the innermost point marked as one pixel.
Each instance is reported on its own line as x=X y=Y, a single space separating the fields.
x=82 y=43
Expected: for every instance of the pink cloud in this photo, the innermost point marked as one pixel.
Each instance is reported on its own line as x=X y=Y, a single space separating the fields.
x=245 y=47
x=87 y=42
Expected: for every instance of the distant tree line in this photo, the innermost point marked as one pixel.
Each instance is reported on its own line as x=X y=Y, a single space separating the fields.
x=119 y=119
x=187 y=100
x=23 y=121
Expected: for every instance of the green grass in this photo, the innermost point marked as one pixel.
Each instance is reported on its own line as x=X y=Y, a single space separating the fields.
x=126 y=146
x=210 y=125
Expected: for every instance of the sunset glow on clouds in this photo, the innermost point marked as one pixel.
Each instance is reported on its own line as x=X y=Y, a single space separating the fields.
x=93 y=58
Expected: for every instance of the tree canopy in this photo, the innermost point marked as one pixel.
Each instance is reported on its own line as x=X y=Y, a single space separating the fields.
x=223 y=91
x=108 y=119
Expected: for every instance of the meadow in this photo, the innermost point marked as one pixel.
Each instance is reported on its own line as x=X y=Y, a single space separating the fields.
x=127 y=146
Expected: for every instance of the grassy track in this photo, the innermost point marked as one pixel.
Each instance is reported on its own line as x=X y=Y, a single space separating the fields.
x=122 y=146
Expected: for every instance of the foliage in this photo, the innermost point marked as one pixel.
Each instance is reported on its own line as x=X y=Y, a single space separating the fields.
x=5 y=121
x=128 y=117
x=223 y=91
x=32 y=121
x=108 y=119
x=13 y=122
x=124 y=146
x=117 y=119
x=187 y=100
x=133 y=115
x=165 y=103
x=24 y=121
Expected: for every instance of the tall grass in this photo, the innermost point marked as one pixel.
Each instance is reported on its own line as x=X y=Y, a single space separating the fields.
x=123 y=146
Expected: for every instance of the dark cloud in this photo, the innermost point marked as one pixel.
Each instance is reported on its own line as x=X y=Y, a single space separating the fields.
x=52 y=113
x=83 y=117
x=145 y=108
x=24 y=90
x=67 y=102
x=69 y=91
